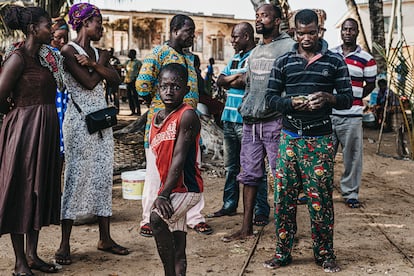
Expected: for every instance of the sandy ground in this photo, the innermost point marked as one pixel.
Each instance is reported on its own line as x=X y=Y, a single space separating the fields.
x=377 y=239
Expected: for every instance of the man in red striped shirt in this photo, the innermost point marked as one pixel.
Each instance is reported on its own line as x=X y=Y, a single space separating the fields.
x=347 y=124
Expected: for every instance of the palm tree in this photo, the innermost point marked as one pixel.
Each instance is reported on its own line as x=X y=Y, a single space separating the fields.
x=54 y=7
x=376 y=17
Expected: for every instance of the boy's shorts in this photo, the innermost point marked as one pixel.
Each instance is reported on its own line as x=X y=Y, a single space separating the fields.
x=181 y=203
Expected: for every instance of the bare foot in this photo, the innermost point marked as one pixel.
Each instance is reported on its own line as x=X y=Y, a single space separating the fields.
x=21 y=268
x=113 y=248
x=239 y=235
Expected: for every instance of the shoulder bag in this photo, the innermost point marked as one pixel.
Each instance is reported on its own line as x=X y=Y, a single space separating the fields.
x=98 y=120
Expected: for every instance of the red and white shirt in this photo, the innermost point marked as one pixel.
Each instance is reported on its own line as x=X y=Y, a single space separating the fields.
x=162 y=139
x=362 y=68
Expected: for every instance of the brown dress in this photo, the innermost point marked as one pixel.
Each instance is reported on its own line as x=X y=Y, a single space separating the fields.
x=29 y=153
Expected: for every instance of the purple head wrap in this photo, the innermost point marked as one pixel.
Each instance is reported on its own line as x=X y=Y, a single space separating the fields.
x=80 y=12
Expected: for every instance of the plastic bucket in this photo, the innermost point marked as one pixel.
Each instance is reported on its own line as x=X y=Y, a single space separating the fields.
x=133 y=184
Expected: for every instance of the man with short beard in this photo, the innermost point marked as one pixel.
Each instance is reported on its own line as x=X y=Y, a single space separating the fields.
x=301 y=87
x=233 y=78
x=173 y=51
x=261 y=125
x=347 y=124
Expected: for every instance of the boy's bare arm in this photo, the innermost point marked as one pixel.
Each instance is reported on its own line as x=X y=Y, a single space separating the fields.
x=188 y=131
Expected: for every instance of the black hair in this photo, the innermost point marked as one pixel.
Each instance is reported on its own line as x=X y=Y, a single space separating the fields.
x=59 y=24
x=132 y=53
x=177 y=68
x=306 y=17
x=248 y=28
x=277 y=11
x=351 y=20
x=178 y=21
x=19 y=18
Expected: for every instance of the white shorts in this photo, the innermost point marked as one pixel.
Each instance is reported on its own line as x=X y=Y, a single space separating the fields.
x=181 y=203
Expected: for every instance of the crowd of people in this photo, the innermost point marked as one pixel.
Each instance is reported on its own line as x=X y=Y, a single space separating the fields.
x=291 y=102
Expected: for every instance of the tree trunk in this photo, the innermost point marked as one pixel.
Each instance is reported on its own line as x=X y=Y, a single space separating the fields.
x=353 y=10
x=376 y=17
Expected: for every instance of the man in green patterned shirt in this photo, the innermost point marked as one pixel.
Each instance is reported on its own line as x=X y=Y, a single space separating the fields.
x=181 y=37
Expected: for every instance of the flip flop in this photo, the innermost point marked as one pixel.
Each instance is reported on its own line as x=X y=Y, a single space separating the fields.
x=261 y=220
x=115 y=249
x=63 y=259
x=45 y=267
x=203 y=228
x=352 y=203
x=330 y=266
x=221 y=213
x=22 y=274
x=146 y=231
x=275 y=263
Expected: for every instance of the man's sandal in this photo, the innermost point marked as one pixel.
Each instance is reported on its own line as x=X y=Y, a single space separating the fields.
x=330 y=266
x=146 y=230
x=115 y=249
x=261 y=220
x=63 y=259
x=203 y=228
x=352 y=203
x=42 y=266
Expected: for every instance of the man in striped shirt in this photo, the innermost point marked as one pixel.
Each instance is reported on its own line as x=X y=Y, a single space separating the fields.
x=233 y=79
x=347 y=124
x=307 y=76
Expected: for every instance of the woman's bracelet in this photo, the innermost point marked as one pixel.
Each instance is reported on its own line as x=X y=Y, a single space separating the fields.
x=163 y=197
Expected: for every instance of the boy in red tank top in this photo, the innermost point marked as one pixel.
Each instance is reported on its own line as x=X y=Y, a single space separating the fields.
x=174 y=139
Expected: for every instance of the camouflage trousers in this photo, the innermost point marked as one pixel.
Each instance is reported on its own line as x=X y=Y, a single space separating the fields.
x=305 y=162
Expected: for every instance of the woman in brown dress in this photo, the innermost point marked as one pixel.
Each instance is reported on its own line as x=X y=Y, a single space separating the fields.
x=29 y=138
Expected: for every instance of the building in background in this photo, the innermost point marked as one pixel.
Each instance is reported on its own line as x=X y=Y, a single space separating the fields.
x=142 y=31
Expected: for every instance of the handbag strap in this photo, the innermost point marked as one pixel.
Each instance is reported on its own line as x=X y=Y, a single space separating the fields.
x=77 y=106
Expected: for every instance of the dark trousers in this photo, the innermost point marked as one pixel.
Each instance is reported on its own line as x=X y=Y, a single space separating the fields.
x=133 y=98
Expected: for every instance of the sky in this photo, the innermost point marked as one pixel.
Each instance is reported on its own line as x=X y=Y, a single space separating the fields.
x=242 y=9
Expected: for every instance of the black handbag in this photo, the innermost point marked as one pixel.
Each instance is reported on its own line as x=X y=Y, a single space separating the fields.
x=101 y=119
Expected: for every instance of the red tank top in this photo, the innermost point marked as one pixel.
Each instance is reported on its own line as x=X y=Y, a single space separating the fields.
x=162 y=139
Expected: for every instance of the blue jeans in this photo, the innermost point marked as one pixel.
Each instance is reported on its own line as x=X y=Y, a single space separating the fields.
x=232 y=145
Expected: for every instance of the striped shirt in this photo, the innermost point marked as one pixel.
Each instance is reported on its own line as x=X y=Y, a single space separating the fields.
x=295 y=76
x=237 y=65
x=362 y=69
x=146 y=83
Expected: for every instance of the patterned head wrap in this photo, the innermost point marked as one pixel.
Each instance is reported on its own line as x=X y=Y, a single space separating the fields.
x=80 y=12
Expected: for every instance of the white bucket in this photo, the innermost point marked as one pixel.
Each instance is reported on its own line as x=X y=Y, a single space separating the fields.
x=133 y=184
